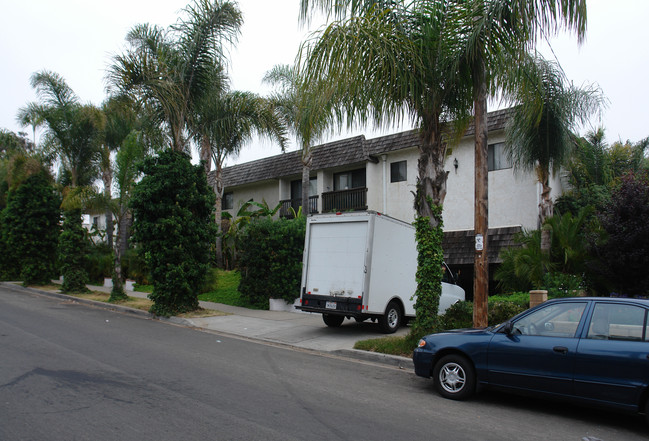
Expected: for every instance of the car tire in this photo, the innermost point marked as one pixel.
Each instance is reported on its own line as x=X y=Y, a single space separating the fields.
x=391 y=320
x=454 y=377
x=333 y=321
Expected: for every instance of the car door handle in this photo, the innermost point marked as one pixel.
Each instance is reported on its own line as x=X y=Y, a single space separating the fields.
x=560 y=349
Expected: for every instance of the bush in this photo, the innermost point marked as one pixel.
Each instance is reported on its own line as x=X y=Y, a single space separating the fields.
x=501 y=308
x=270 y=259
x=30 y=231
x=625 y=254
x=172 y=207
x=501 y=311
x=210 y=283
x=100 y=263
x=563 y=285
x=73 y=252
x=457 y=316
x=134 y=267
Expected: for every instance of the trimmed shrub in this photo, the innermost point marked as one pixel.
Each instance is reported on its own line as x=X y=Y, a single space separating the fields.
x=172 y=207
x=73 y=253
x=30 y=231
x=100 y=263
x=270 y=259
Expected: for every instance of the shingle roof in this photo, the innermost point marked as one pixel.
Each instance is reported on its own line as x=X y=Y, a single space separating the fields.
x=459 y=246
x=350 y=151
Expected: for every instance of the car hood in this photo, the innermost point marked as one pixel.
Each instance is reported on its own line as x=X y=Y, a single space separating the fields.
x=465 y=331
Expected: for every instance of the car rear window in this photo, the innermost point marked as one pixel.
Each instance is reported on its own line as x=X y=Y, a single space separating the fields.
x=614 y=321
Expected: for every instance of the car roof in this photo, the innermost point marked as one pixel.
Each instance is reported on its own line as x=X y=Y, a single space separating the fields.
x=602 y=299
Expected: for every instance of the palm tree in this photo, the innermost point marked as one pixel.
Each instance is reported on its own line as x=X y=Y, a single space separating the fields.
x=169 y=70
x=132 y=151
x=72 y=131
x=224 y=121
x=306 y=110
x=30 y=116
x=389 y=64
x=495 y=35
x=539 y=135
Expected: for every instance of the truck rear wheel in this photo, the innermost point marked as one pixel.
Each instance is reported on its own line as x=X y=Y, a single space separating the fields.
x=391 y=320
x=333 y=321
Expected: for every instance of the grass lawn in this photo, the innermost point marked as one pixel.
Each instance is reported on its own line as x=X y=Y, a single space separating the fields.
x=227 y=291
x=387 y=345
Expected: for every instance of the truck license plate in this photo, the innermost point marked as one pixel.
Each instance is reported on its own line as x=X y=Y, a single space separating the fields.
x=330 y=305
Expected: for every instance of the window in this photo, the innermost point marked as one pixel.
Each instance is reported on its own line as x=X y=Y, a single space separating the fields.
x=613 y=321
x=350 y=179
x=558 y=320
x=398 y=171
x=228 y=201
x=497 y=157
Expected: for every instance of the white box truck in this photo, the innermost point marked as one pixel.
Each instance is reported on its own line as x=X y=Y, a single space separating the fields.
x=362 y=265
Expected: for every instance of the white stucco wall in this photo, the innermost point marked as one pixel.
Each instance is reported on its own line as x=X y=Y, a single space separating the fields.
x=265 y=191
x=513 y=195
x=399 y=200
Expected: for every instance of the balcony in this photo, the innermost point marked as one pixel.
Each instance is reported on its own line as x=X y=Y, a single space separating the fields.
x=295 y=204
x=345 y=200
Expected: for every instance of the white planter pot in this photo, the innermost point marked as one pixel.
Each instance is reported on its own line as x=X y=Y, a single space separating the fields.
x=283 y=305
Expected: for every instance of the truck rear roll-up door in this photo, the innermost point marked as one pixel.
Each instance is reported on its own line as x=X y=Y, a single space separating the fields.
x=337 y=259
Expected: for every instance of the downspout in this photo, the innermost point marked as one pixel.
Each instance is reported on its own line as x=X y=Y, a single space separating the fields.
x=385 y=183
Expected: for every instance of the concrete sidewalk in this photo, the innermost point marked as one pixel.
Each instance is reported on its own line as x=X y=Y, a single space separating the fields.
x=294 y=329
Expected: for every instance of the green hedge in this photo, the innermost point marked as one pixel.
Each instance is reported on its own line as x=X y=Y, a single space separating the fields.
x=501 y=308
x=270 y=259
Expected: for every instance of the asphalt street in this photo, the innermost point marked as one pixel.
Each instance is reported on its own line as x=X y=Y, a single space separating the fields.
x=72 y=371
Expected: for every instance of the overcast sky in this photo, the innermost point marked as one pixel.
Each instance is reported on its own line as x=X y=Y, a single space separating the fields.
x=77 y=38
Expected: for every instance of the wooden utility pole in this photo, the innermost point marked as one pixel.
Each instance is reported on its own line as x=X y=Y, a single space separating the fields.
x=481 y=213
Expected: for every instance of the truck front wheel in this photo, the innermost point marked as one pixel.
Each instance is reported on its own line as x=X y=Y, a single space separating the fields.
x=333 y=321
x=391 y=320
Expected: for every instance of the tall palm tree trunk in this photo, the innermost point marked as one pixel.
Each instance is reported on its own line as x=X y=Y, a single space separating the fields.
x=117 y=291
x=307 y=161
x=545 y=211
x=481 y=213
x=218 y=213
x=429 y=199
x=107 y=178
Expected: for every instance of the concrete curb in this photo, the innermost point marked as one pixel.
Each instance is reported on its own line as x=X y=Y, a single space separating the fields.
x=102 y=305
x=375 y=357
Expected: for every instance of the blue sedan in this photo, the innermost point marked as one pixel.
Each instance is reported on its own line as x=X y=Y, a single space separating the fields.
x=590 y=350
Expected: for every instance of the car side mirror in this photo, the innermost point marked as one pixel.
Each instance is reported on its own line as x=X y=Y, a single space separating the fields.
x=508 y=328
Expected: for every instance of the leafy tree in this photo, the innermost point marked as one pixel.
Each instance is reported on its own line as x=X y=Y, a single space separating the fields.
x=539 y=134
x=624 y=255
x=30 y=229
x=169 y=70
x=172 y=206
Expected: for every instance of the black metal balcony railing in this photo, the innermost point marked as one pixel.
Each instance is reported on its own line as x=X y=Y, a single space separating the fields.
x=295 y=204
x=345 y=200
